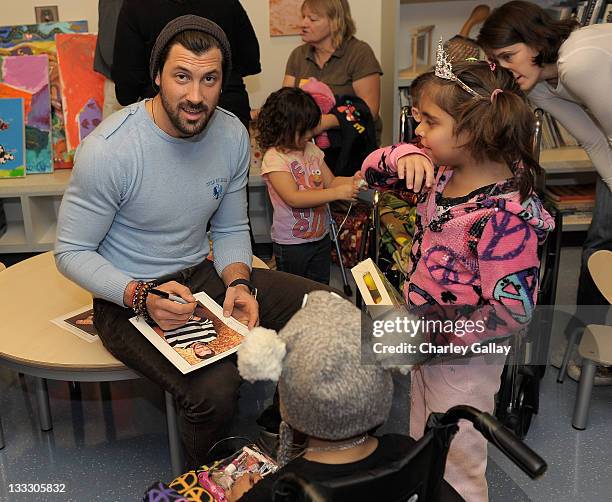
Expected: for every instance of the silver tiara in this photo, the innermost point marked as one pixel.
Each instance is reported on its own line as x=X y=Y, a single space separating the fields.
x=444 y=69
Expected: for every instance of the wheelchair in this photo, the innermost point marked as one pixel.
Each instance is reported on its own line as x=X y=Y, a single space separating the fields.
x=419 y=475
x=518 y=398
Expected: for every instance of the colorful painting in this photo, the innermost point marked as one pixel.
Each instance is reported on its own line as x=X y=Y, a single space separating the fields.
x=10 y=36
x=28 y=77
x=285 y=17
x=12 y=138
x=80 y=83
x=88 y=118
x=38 y=39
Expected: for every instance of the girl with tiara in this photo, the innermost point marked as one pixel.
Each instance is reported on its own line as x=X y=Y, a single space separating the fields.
x=474 y=254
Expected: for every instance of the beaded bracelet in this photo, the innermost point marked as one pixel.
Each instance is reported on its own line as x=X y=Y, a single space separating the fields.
x=140 y=299
x=135 y=293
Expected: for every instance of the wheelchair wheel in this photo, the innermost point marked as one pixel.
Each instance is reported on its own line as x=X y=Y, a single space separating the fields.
x=522 y=411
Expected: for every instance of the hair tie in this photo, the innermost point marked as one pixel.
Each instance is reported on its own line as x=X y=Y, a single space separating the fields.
x=495 y=93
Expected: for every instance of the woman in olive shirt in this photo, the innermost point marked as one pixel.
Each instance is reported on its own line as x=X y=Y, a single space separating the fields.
x=334 y=56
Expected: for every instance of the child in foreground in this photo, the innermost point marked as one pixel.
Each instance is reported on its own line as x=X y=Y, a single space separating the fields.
x=327 y=394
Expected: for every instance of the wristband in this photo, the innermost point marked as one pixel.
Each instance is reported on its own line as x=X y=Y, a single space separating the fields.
x=244 y=282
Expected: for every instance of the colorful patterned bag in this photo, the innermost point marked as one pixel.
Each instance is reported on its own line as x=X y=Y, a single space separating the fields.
x=352 y=232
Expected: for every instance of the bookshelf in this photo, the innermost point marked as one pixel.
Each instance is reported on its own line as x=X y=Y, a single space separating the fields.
x=31 y=205
x=564 y=160
x=569 y=166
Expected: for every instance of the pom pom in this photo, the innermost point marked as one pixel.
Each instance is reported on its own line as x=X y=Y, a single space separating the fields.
x=260 y=356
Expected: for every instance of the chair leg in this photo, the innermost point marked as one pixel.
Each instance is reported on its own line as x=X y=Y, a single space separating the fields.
x=174 y=440
x=2 y=445
x=571 y=344
x=42 y=398
x=583 y=398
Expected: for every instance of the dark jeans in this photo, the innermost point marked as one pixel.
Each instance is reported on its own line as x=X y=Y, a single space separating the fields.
x=599 y=236
x=311 y=259
x=206 y=398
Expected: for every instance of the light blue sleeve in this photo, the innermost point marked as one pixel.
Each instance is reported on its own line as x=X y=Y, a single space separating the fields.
x=230 y=224
x=86 y=213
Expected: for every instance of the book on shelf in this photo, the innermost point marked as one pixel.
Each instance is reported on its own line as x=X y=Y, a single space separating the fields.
x=577 y=218
x=575 y=202
x=598 y=10
x=587 y=13
x=563 y=193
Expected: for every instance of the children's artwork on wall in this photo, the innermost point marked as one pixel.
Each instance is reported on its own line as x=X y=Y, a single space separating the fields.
x=12 y=138
x=38 y=39
x=80 y=83
x=10 y=36
x=28 y=77
x=89 y=118
x=285 y=17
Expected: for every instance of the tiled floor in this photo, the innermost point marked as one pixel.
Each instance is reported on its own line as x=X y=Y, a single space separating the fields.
x=112 y=450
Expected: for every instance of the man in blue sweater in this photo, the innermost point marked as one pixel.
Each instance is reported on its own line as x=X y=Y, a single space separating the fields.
x=145 y=185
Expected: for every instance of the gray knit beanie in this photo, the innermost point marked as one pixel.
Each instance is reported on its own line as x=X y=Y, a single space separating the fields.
x=325 y=391
x=185 y=23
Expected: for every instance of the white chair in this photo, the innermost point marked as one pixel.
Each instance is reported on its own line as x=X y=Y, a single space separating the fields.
x=596 y=344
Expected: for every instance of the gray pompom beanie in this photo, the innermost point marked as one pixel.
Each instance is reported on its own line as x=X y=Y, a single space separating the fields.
x=185 y=23
x=325 y=390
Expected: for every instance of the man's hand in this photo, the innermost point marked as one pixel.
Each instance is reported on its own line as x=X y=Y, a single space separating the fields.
x=167 y=314
x=415 y=169
x=241 y=305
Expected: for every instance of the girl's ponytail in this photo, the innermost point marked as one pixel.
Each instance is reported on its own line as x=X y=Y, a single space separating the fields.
x=511 y=129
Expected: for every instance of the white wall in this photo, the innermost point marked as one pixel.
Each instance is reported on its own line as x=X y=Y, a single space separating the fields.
x=22 y=11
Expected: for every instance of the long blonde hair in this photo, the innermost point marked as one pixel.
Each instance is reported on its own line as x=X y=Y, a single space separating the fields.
x=339 y=14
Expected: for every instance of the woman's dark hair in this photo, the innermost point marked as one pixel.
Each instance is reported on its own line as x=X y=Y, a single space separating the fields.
x=499 y=128
x=287 y=115
x=524 y=22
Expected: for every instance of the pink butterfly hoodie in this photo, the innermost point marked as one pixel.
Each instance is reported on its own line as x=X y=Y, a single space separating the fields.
x=474 y=257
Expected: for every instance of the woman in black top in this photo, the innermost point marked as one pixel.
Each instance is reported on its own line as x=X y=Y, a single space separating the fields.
x=139 y=23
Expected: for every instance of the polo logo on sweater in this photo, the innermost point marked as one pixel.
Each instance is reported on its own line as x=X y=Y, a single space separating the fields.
x=217 y=187
x=217 y=191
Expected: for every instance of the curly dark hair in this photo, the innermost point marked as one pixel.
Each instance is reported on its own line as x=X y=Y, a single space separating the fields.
x=286 y=116
x=501 y=129
x=524 y=22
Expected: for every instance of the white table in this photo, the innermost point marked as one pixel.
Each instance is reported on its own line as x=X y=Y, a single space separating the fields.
x=33 y=292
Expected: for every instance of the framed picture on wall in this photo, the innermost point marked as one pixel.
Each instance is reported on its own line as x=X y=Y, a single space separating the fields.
x=285 y=17
x=607 y=15
x=47 y=14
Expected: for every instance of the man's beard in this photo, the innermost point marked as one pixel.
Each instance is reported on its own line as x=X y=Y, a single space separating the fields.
x=186 y=127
